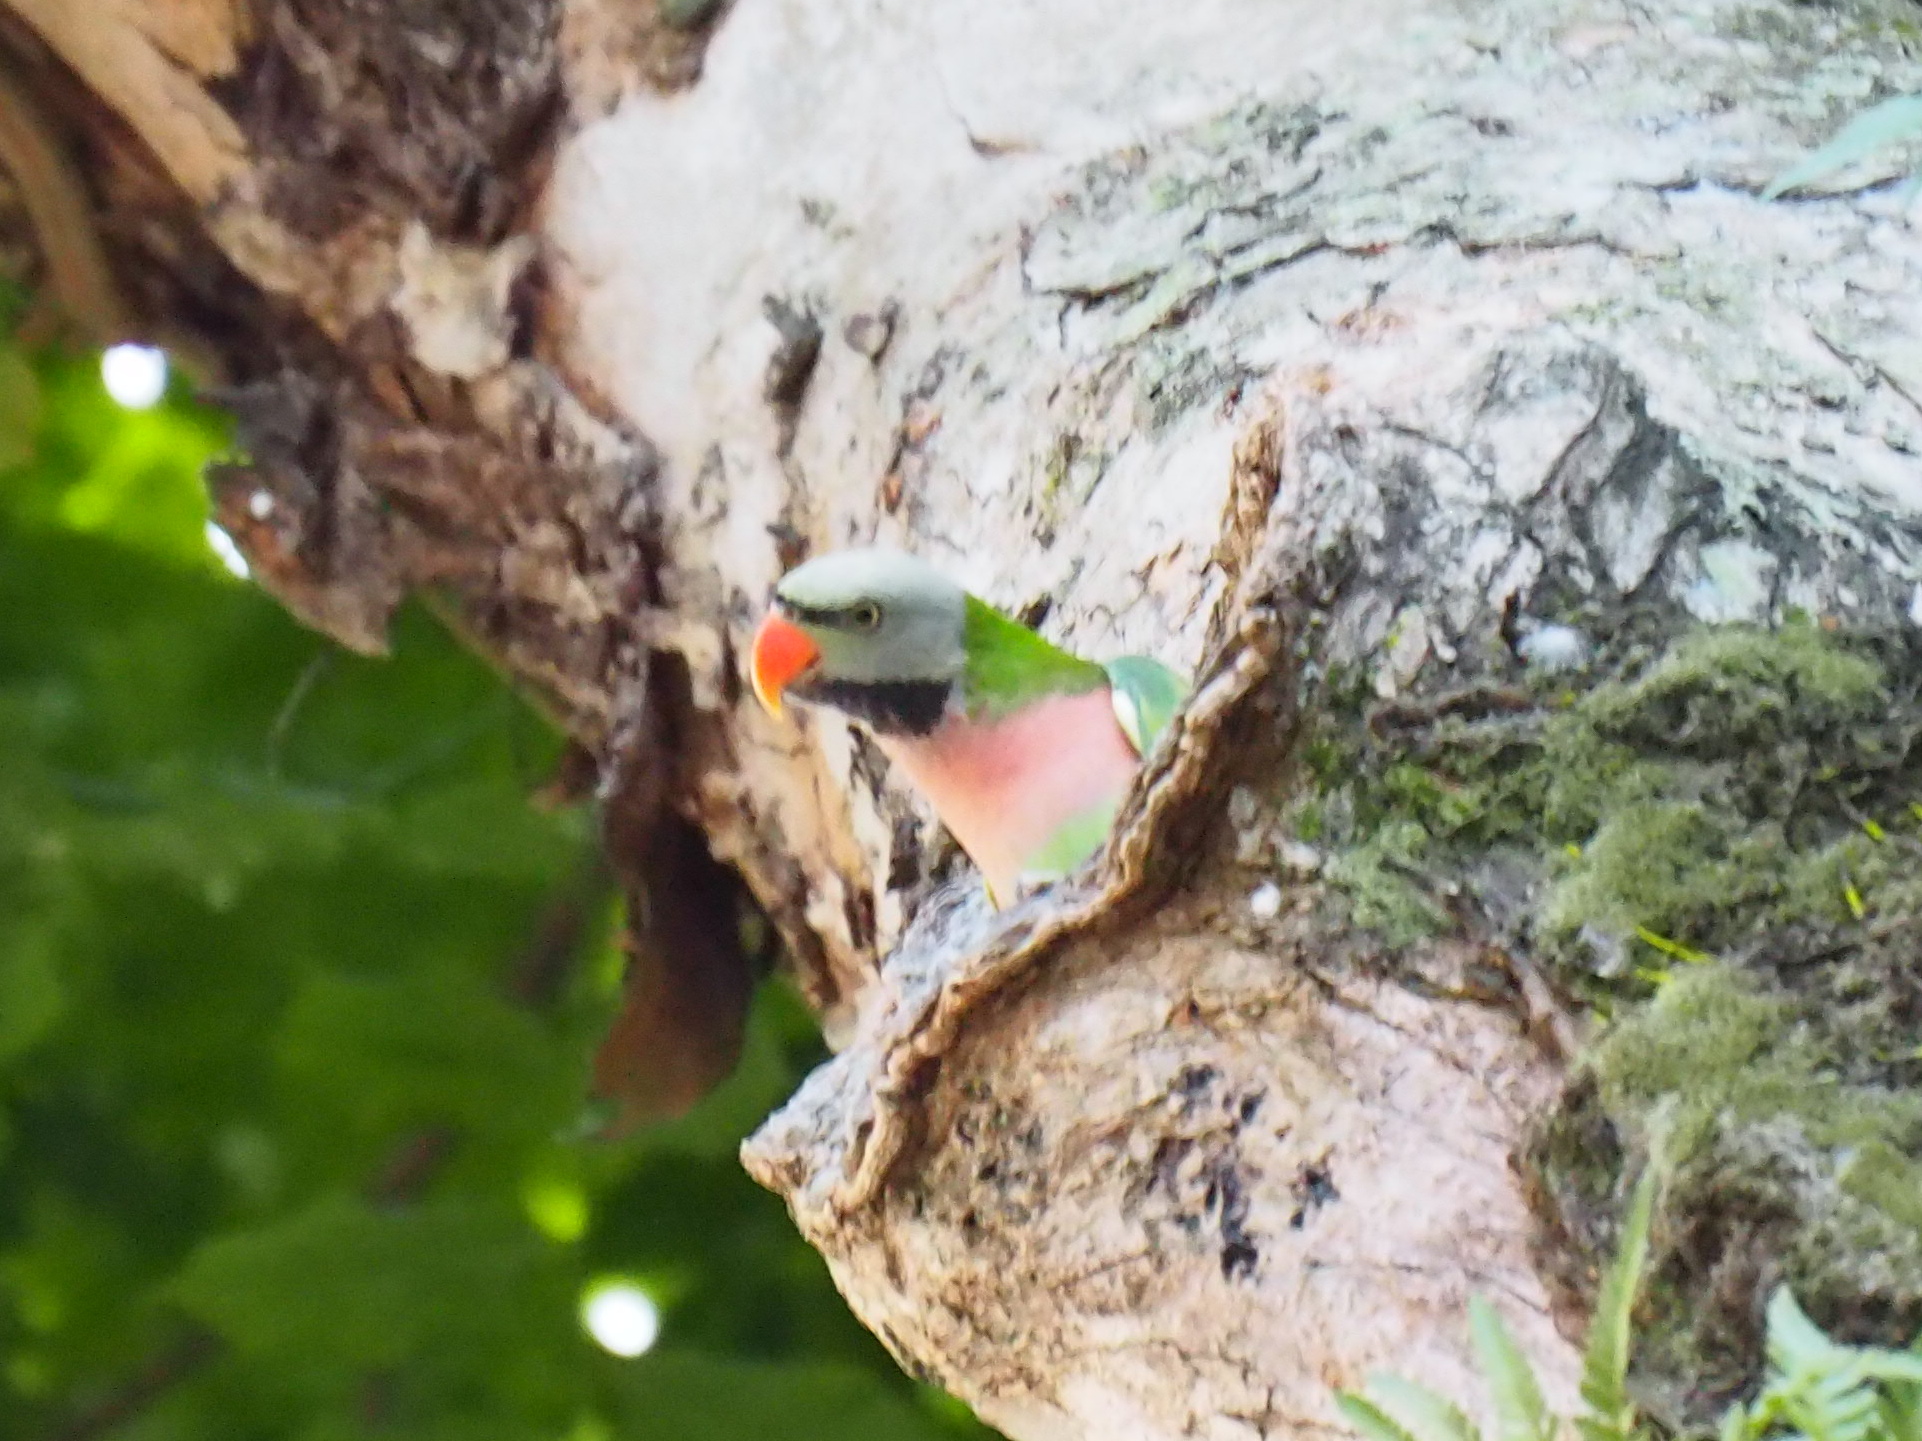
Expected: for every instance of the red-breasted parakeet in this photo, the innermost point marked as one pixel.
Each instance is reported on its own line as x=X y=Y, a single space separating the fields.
x=1024 y=750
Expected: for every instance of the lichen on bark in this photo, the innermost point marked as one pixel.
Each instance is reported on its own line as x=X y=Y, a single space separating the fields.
x=1713 y=844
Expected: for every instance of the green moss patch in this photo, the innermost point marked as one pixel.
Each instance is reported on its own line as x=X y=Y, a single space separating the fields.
x=1741 y=781
x=1719 y=847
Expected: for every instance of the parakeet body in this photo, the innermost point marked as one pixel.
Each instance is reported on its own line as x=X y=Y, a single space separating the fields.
x=1020 y=792
x=1024 y=750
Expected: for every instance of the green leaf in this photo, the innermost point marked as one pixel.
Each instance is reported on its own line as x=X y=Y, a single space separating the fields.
x=690 y=1397
x=1604 y=1387
x=1796 y=1344
x=1899 y=118
x=1828 y=1391
x=20 y=407
x=1594 y=1428
x=339 y=1286
x=1832 y=1405
x=1901 y=1413
x=129 y=476
x=1518 y=1396
x=31 y=996
x=1369 y=1419
x=1882 y=1365
x=374 y=1057
x=1425 y=1415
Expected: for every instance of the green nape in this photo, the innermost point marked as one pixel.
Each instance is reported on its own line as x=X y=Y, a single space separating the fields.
x=1009 y=666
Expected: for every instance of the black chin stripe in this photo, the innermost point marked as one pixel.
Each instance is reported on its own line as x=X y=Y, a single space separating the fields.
x=889 y=708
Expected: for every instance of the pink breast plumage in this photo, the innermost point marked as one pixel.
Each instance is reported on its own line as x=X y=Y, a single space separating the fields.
x=1005 y=787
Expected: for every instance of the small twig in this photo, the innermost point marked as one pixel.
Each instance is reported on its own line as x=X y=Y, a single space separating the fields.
x=290 y=708
x=184 y=1358
x=411 y=1166
x=541 y=969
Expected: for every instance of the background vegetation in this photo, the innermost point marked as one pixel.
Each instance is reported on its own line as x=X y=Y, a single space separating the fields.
x=297 y=991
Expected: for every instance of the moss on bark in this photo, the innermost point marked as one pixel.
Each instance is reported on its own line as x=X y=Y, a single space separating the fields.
x=1717 y=845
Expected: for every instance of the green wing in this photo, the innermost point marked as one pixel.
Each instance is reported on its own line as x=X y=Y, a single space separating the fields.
x=1146 y=695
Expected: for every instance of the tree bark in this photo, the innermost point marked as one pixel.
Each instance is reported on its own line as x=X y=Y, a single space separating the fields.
x=1431 y=383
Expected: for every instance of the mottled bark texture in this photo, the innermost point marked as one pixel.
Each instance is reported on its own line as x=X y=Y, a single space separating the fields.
x=1540 y=511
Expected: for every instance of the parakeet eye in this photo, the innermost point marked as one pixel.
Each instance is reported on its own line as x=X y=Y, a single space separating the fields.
x=866 y=614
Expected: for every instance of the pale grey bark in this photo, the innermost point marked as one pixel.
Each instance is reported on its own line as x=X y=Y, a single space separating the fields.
x=1501 y=285
x=1097 y=224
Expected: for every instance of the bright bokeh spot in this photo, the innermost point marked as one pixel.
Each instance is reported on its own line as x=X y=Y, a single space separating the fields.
x=135 y=375
x=621 y=1317
x=558 y=1208
x=229 y=553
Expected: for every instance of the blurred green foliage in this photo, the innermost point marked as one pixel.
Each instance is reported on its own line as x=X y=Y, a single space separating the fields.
x=288 y=1148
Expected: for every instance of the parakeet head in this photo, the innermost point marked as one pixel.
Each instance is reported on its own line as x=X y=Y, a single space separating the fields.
x=874 y=633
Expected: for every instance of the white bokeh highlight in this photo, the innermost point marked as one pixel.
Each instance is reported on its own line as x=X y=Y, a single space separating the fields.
x=223 y=546
x=135 y=375
x=622 y=1318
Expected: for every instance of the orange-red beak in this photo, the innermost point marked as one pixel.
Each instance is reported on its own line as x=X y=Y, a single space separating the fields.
x=782 y=654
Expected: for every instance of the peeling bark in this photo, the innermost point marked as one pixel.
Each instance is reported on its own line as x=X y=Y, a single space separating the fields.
x=1429 y=382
